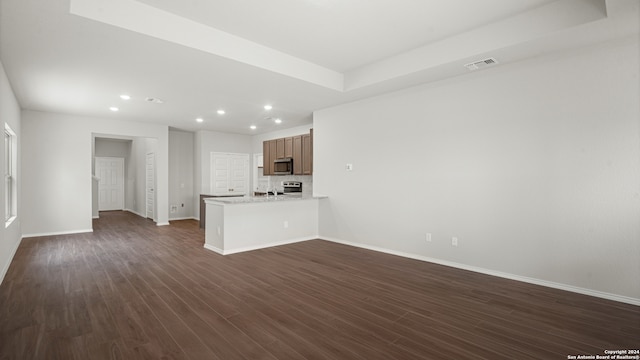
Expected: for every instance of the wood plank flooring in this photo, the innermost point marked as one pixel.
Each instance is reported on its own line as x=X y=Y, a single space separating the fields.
x=132 y=290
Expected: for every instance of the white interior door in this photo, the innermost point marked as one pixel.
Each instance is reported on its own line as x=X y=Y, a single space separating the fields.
x=229 y=174
x=110 y=171
x=220 y=174
x=239 y=173
x=150 y=186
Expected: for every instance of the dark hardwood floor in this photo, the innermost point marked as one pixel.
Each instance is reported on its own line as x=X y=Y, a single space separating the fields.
x=132 y=290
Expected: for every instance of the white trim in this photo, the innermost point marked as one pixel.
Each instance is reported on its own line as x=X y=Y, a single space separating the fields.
x=57 y=233
x=551 y=284
x=214 y=249
x=257 y=247
x=6 y=266
x=163 y=224
x=96 y=217
x=151 y=189
x=183 y=218
x=9 y=221
x=12 y=195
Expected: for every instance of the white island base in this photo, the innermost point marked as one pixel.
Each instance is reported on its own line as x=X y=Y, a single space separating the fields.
x=243 y=224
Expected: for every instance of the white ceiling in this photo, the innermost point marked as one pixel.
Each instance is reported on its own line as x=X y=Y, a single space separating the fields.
x=78 y=56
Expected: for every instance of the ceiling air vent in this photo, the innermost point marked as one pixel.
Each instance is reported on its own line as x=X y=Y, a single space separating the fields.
x=481 y=64
x=154 y=100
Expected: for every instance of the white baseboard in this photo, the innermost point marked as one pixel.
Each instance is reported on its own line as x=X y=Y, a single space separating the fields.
x=5 y=268
x=96 y=217
x=551 y=284
x=57 y=233
x=257 y=247
x=214 y=249
x=183 y=218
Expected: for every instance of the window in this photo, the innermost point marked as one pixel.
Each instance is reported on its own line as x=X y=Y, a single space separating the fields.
x=10 y=183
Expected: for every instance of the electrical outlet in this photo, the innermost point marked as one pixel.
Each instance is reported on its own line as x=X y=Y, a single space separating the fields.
x=348 y=167
x=174 y=208
x=454 y=241
x=428 y=237
x=286 y=224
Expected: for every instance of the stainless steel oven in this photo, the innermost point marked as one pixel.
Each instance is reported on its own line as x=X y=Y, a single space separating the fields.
x=292 y=187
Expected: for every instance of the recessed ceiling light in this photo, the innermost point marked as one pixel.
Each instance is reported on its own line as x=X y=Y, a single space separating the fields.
x=220 y=112
x=125 y=97
x=199 y=120
x=277 y=121
x=268 y=107
x=113 y=108
x=253 y=127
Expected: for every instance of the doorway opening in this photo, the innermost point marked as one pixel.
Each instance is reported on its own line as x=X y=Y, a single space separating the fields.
x=122 y=177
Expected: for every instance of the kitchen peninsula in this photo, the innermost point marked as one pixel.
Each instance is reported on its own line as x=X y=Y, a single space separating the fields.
x=248 y=223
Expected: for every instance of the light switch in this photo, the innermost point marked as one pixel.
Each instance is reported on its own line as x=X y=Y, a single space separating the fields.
x=349 y=167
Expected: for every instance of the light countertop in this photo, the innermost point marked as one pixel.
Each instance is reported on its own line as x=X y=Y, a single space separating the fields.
x=260 y=199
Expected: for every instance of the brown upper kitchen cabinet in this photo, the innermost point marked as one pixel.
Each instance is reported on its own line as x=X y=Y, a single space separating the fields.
x=267 y=163
x=297 y=155
x=307 y=154
x=299 y=148
x=268 y=155
x=280 y=148
x=272 y=154
x=288 y=147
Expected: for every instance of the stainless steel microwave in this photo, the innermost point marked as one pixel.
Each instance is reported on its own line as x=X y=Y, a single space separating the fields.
x=283 y=166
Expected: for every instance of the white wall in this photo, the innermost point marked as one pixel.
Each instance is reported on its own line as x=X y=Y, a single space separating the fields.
x=181 y=194
x=10 y=113
x=256 y=140
x=112 y=148
x=534 y=166
x=56 y=184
